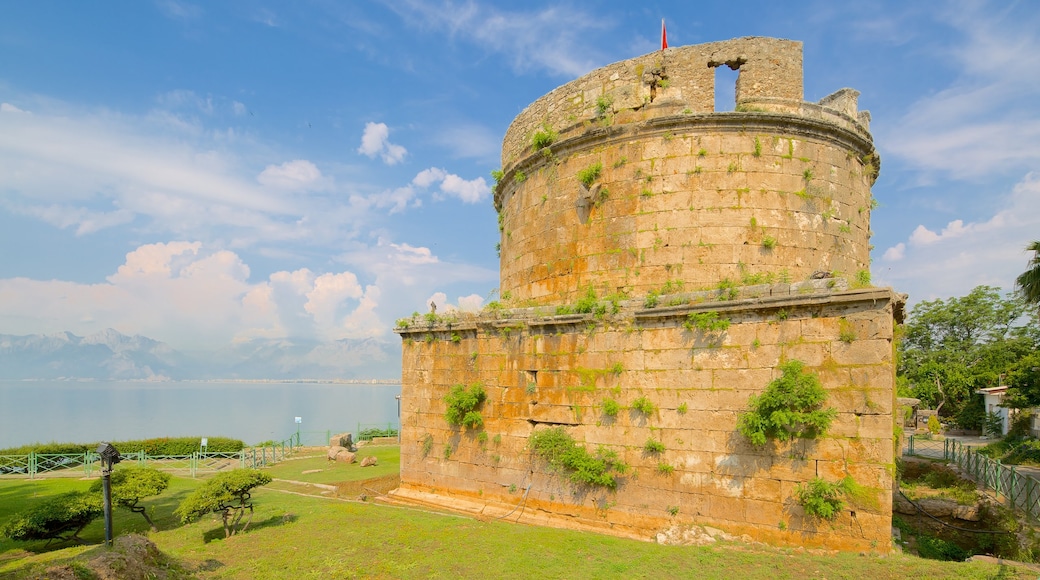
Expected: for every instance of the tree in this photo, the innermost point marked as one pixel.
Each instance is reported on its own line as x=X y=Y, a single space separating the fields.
x=1028 y=283
x=131 y=484
x=228 y=494
x=58 y=518
x=951 y=348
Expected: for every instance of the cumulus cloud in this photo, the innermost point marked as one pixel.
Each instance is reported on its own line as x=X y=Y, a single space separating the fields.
x=950 y=262
x=895 y=253
x=376 y=141
x=294 y=174
x=451 y=185
x=194 y=296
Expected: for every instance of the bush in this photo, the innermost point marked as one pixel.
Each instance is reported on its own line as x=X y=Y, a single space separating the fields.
x=611 y=407
x=227 y=493
x=156 y=446
x=938 y=549
x=561 y=451
x=933 y=425
x=462 y=406
x=131 y=484
x=790 y=407
x=57 y=518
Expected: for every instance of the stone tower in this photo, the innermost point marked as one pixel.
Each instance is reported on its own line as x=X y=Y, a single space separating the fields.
x=659 y=262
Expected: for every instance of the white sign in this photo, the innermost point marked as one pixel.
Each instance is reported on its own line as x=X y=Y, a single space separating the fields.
x=299 y=420
x=205 y=442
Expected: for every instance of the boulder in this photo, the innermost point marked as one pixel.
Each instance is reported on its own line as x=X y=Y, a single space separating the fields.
x=345 y=440
x=346 y=457
x=370 y=460
x=334 y=451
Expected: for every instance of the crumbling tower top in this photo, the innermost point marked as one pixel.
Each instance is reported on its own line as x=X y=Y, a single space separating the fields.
x=798 y=173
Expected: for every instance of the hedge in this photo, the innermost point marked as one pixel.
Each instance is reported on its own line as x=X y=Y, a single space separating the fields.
x=156 y=446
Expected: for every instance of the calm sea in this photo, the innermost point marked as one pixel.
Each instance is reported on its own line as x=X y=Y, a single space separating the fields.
x=44 y=411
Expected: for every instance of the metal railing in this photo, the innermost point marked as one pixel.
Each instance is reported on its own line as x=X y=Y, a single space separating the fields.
x=1018 y=490
x=34 y=465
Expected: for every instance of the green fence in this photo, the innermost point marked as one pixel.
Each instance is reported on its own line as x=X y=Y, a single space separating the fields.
x=35 y=465
x=1018 y=490
x=368 y=431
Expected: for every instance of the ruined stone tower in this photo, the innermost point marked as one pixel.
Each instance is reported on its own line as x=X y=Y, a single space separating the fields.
x=659 y=262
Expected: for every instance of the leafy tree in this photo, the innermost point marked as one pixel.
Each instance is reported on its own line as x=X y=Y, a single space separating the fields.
x=131 y=484
x=1028 y=283
x=57 y=518
x=951 y=348
x=790 y=407
x=227 y=493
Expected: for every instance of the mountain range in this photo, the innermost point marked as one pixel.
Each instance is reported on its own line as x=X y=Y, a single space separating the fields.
x=111 y=355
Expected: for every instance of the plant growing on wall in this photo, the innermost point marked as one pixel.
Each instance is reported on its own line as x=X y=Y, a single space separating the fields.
x=792 y=406
x=822 y=499
x=644 y=406
x=559 y=449
x=543 y=137
x=590 y=174
x=462 y=406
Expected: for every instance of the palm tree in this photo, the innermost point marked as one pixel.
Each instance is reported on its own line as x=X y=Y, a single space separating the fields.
x=1029 y=282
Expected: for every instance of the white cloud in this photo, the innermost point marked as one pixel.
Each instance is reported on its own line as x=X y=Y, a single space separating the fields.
x=965 y=254
x=549 y=38
x=84 y=220
x=238 y=108
x=376 y=141
x=412 y=255
x=428 y=177
x=471 y=303
x=9 y=108
x=469 y=191
x=895 y=253
x=295 y=174
x=984 y=122
x=193 y=296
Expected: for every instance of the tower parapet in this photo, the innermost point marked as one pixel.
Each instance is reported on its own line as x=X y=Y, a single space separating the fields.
x=640 y=182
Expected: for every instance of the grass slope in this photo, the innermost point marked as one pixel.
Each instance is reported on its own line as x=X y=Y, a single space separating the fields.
x=301 y=536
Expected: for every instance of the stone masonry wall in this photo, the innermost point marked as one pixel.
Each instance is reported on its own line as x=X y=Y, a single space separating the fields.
x=648 y=208
x=542 y=371
x=778 y=192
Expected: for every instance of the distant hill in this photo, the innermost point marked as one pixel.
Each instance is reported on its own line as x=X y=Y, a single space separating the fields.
x=111 y=355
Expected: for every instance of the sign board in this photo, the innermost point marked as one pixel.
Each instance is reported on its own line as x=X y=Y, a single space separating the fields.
x=299 y=420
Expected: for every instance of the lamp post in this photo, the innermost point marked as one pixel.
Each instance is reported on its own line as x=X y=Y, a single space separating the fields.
x=298 y=421
x=109 y=457
x=398 y=397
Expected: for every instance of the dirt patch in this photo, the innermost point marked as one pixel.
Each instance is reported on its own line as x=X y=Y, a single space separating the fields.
x=368 y=487
x=132 y=557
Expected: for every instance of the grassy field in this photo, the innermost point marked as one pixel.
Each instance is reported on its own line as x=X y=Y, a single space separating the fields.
x=310 y=536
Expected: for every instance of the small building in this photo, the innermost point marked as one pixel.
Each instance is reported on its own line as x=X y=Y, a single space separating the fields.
x=993 y=400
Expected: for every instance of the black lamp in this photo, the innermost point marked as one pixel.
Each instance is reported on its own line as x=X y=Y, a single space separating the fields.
x=109 y=457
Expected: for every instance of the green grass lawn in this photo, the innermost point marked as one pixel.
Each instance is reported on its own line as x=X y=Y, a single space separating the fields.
x=306 y=536
x=335 y=472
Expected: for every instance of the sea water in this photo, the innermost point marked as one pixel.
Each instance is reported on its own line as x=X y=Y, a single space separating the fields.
x=89 y=411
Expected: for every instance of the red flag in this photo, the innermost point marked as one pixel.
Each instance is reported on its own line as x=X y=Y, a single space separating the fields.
x=664 y=36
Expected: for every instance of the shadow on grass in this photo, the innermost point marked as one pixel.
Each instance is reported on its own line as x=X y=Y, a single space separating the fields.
x=218 y=533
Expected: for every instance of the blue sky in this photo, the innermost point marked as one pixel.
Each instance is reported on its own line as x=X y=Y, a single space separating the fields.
x=203 y=173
